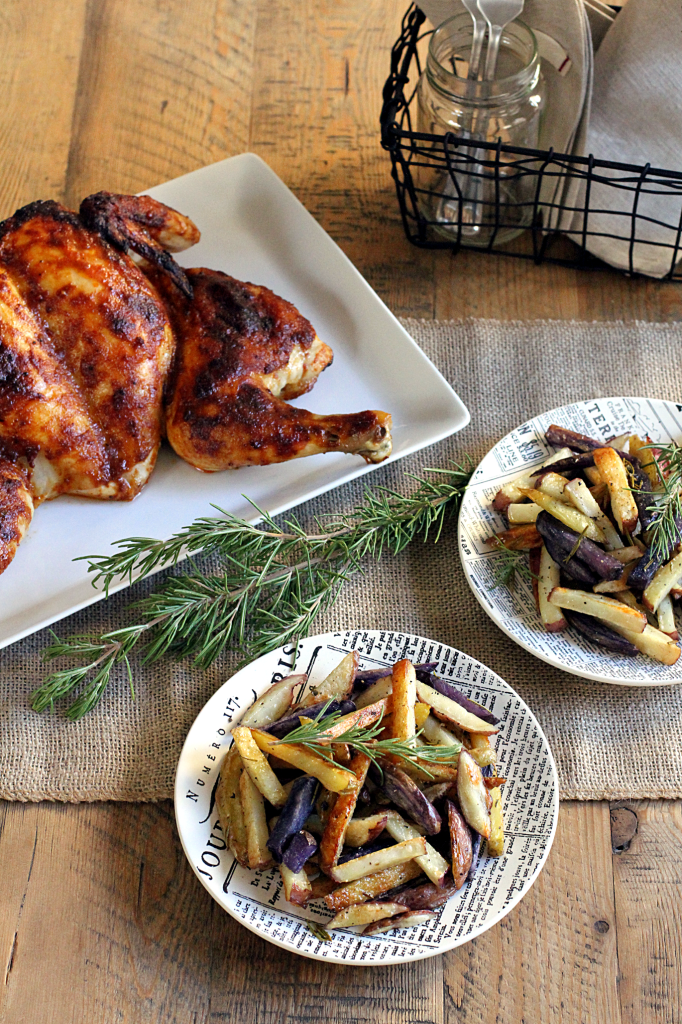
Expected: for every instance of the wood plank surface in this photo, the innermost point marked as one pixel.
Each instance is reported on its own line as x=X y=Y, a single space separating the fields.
x=101 y=917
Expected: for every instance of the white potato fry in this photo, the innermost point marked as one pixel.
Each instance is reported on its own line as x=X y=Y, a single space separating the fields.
x=610 y=465
x=371 y=863
x=553 y=484
x=339 y=683
x=581 y=496
x=481 y=750
x=436 y=735
x=496 y=840
x=363 y=830
x=404 y=697
x=473 y=795
x=274 y=702
x=523 y=512
x=332 y=778
x=615 y=586
x=258 y=768
x=600 y=606
x=297 y=887
x=548 y=578
x=257 y=834
x=407 y=920
x=453 y=712
x=377 y=691
x=229 y=806
x=629 y=554
x=568 y=515
x=653 y=642
x=666 y=618
x=364 y=913
x=431 y=863
x=666 y=578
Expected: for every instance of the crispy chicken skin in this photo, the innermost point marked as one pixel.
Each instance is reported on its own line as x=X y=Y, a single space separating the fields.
x=16 y=509
x=97 y=334
x=242 y=351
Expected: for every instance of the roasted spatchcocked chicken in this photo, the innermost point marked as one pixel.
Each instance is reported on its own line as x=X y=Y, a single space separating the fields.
x=87 y=342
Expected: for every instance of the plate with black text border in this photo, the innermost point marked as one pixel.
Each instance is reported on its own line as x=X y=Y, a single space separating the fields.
x=255 y=229
x=513 y=610
x=530 y=794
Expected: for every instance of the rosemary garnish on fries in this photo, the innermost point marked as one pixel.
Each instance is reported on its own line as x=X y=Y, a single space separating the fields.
x=663 y=533
x=315 y=737
x=275 y=579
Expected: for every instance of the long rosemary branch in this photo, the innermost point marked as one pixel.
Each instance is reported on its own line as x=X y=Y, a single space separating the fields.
x=275 y=580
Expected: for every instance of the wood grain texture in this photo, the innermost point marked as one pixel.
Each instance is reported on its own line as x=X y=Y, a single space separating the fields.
x=40 y=47
x=101 y=918
x=546 y=961
x=164 y=88
x=648 y=905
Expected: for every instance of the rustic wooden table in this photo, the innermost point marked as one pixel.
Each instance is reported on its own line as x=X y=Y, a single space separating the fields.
x=101 y=918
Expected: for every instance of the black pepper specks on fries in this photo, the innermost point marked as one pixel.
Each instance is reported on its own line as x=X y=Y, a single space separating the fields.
x=602 y=527
x=373 y=792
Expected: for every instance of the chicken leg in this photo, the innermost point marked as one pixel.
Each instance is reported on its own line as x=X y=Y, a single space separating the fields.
x=242 y=351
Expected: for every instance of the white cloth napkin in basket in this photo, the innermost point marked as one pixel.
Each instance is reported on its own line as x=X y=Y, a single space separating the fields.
x=636 y=118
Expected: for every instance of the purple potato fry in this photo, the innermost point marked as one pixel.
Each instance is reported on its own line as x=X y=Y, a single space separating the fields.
x=476 y=841
x=590 y=554
x=286 y=725
x=294 y=814
x=600 y=634
x=426 y=895
x=461 y=851
x=300 y=847
x=365 y=679
x=406 y=794
x=448 y=690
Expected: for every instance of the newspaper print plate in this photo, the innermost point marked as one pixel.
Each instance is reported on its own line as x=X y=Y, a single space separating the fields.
x=531 y=805
x=514 y=610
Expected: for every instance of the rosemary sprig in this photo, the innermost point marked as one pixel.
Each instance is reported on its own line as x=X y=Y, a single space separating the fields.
x=576 y=547
x=507 y=565
x=274 y=581
x=363 y=739
x=663 y=533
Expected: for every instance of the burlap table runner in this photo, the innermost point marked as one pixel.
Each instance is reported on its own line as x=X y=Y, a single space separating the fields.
x=608 y=741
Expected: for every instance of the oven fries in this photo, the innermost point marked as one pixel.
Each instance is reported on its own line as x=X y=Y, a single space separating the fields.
x=609 y=522
x=352 y=834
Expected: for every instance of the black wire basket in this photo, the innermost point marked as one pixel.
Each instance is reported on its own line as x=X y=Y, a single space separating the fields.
x=459 y=158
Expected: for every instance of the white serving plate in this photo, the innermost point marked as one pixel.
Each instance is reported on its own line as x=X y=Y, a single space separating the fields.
x=531 y=806
x=514 y=610
x=255 y=229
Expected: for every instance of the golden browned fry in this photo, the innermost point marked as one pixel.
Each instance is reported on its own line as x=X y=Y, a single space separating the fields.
x=334 y=833
x=242 y=352
x=404 y=680
x=461 y=849
x=372 y=886
x=229 y=806
x=364 y=914
x=517 y=538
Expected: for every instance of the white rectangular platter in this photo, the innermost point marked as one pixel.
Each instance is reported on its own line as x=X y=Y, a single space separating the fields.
x=255 y=229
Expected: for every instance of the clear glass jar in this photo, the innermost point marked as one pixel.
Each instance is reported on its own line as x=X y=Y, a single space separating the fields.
x=506 y=108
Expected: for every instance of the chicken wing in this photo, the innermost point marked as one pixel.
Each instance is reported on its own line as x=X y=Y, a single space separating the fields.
x=242 y=351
